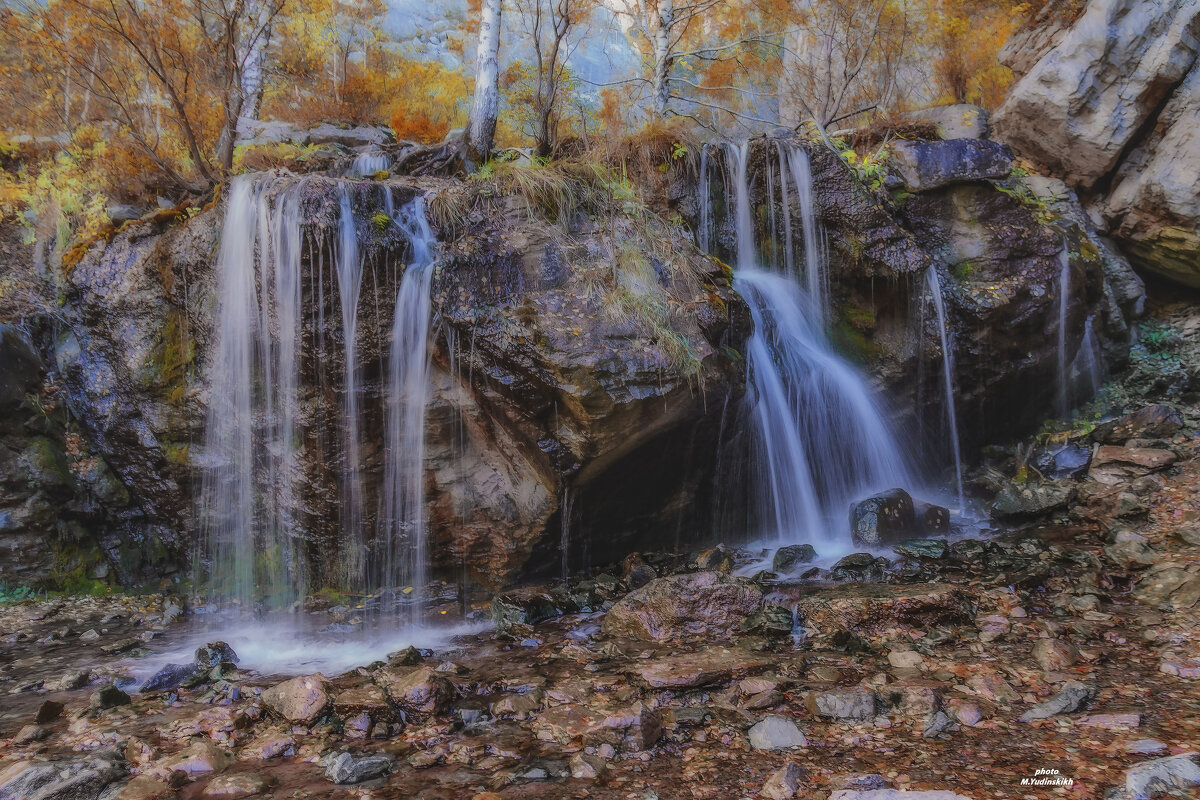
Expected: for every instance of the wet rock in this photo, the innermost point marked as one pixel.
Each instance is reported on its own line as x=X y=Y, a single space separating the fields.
x=641 y=575
x=408 y=657
x=1018 y=501
x=76 y=779
x=202 y=757
x=856 y=567
x=172 y=676
x=1066 y=461
x=770 y=621
x=841 y=705
x=923 y=548
x=776 y=733
x=1131 y=551
x=883 y=519
x=931 y=165
x=143 y=787
x=716 y=559
x=47 y=712
x=235 y=787
x=268 y=745
x=525 y=607
x=1111 y=722
x=108 y=697
x=1156 y=421
x=791 y=556
x=992 y=687
x=1163 y=776
x=422 y=691
x=366 y=698
x=1072 y=697
x=876 y=608
x=347 y=768
x=1115 y=465
x=932 y=518
x=301 y=700
x=1054 y=655
x=703 y=604
x=784 y=782
x=214 y=654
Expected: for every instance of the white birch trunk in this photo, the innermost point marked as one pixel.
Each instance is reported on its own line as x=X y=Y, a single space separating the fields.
x=662 y=20
x=485 y=107
x=254 y=59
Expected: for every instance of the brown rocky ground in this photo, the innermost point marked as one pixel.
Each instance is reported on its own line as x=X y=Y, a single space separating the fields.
x=1065 y=644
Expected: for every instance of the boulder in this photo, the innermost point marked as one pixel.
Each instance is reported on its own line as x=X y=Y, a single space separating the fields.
x=1130 y=137
x=1157 y=421
x=924 y=166
x=701 y=604
x=346 y=768
x=214 y=654
x=1114 y=465
x=1017 y=501
x=883 y=519
x=1131 y=551
x=421 y=691
x=301 y=700
x=856 y=567
x=776 y=733
x=527 y=607
x=871 y=609
x=75 y=779
x=108 y=697
x=923 y=548
x=172 y=676
x=856 y=704
x=791 y=556
x=1173 y=775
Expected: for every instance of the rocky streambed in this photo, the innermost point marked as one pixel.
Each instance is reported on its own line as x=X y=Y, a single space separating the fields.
x=1056 y=657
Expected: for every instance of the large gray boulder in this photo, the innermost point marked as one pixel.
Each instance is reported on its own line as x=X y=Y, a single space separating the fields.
x=931 y=165
x=701 y=604
x=1110 y=103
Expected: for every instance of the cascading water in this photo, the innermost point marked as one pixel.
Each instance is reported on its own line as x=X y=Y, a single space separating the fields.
x=403 y=536
x=368 y=163
x=814 y=258
x=822 y=442
x=349 y=269
x=1064 y=301
x=935 y=292
x=248 y=510
x=1087 y=368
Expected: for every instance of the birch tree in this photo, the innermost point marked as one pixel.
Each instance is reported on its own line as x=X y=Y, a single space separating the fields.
x=485 y=106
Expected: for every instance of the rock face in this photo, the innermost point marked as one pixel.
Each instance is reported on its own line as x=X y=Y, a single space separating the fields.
x=704 y=604
x=1110 y=102
x=542 y=389
x=64 y=515
x=924 y=166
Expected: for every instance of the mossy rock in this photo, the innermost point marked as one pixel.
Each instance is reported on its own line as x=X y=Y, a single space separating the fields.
x=45 y=464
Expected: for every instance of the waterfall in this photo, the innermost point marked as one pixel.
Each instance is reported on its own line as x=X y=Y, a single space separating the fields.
x=814 y=272
x=368 y=163
x=404 y=560
x=349 y=270
x=1064 y=300
x=935 y=292
x=248 y=509
x=1087 y=368
x=822 y=442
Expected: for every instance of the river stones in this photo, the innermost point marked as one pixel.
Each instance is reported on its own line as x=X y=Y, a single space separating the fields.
x=883 y=518
x=776 y=733
x=301 y=700
x=701 y=604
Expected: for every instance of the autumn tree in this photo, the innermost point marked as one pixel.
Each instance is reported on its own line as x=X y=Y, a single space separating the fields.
x=549 y=27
